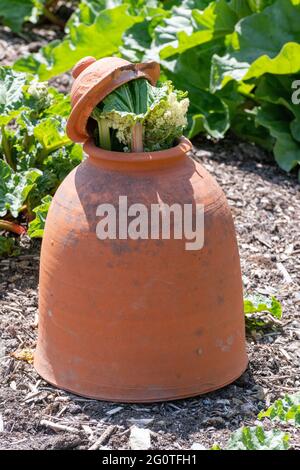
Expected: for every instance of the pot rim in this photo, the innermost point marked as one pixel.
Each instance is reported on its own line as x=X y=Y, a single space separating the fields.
x=179 y=150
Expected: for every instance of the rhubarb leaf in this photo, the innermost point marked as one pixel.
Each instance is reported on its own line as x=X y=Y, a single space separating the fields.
x=259 y=303
x=256 y=438
x=36 y=226
x=285 y=409
x=99 y=39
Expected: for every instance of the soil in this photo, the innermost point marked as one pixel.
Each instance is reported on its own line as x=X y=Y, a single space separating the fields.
x=265 y=204
x=266 y=207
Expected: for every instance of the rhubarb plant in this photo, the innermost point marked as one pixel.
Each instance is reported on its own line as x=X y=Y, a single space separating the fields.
x=35 y=153
x=261 y=311
x=241 y=72
x=139 y=117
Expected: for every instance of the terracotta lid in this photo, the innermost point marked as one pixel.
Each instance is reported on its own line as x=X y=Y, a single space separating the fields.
x=94 y=80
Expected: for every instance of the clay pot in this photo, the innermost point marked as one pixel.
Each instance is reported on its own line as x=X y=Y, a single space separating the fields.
x=139 y=320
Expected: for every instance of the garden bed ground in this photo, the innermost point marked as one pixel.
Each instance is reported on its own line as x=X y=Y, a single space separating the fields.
x=265 y=204
x=266 y=207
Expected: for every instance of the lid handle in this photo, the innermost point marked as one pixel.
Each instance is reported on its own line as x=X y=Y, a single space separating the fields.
x=82 y=65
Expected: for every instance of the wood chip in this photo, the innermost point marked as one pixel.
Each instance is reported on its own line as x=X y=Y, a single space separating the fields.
x=58 y=427
x=114 y=410
x=103 y=438
x=287 y=278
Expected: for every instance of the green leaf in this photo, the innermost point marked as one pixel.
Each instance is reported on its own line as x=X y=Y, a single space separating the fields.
x=136 y=42
x=259 y=5
x=256 y=438
x=158 y=111
x=13 y=13
x=192 y=67
x=36 y=226
x=15 y=188
x=50 y=132
x=277 y=119
x=286 y=409
x=208 y=113
x=286 y=62
x=189 y=28
x=100 y=39
x=189 y=71
x=8 y=246
x=259 y=303
x=244 y=125
x=137 y=98
x=11 y=93
x=259 y=48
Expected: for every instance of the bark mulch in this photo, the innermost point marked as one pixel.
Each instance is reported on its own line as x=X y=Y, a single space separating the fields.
x=266 y=207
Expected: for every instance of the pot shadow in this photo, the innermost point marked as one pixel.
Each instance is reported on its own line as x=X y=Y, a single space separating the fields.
x=188 y=419
x=97 y=185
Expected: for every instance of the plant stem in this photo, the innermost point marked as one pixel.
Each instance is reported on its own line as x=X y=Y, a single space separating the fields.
x=54 y=19
x=137 y=138
x=104 y=134
x=12 y=227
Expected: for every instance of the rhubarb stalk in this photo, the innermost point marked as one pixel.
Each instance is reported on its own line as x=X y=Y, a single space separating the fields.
x=137 y=138
x=12 y=227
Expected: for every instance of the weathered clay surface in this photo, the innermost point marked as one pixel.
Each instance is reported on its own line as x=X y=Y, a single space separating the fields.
x=139 y=320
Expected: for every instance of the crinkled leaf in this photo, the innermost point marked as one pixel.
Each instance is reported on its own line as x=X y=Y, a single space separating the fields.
x=15 y=188
x=11 y=93
x=191 y=68
x=260 y=303
x=286 y=62
x=256 y=438
x=50 y=132
x=189 y=28
x=136 y=42
x=137 y=98
x=285 y=409
x=207 y=112
x=36 y=226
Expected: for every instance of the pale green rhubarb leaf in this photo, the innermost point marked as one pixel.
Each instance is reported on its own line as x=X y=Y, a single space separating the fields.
x=188 y=28
x=259 y=303
x=286 y=409
x=160 y=110
x=15 y=188
x=256 y=438
x=11 y=93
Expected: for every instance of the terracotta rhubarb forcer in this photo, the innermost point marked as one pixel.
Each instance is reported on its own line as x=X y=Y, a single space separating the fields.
x=137 y=320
